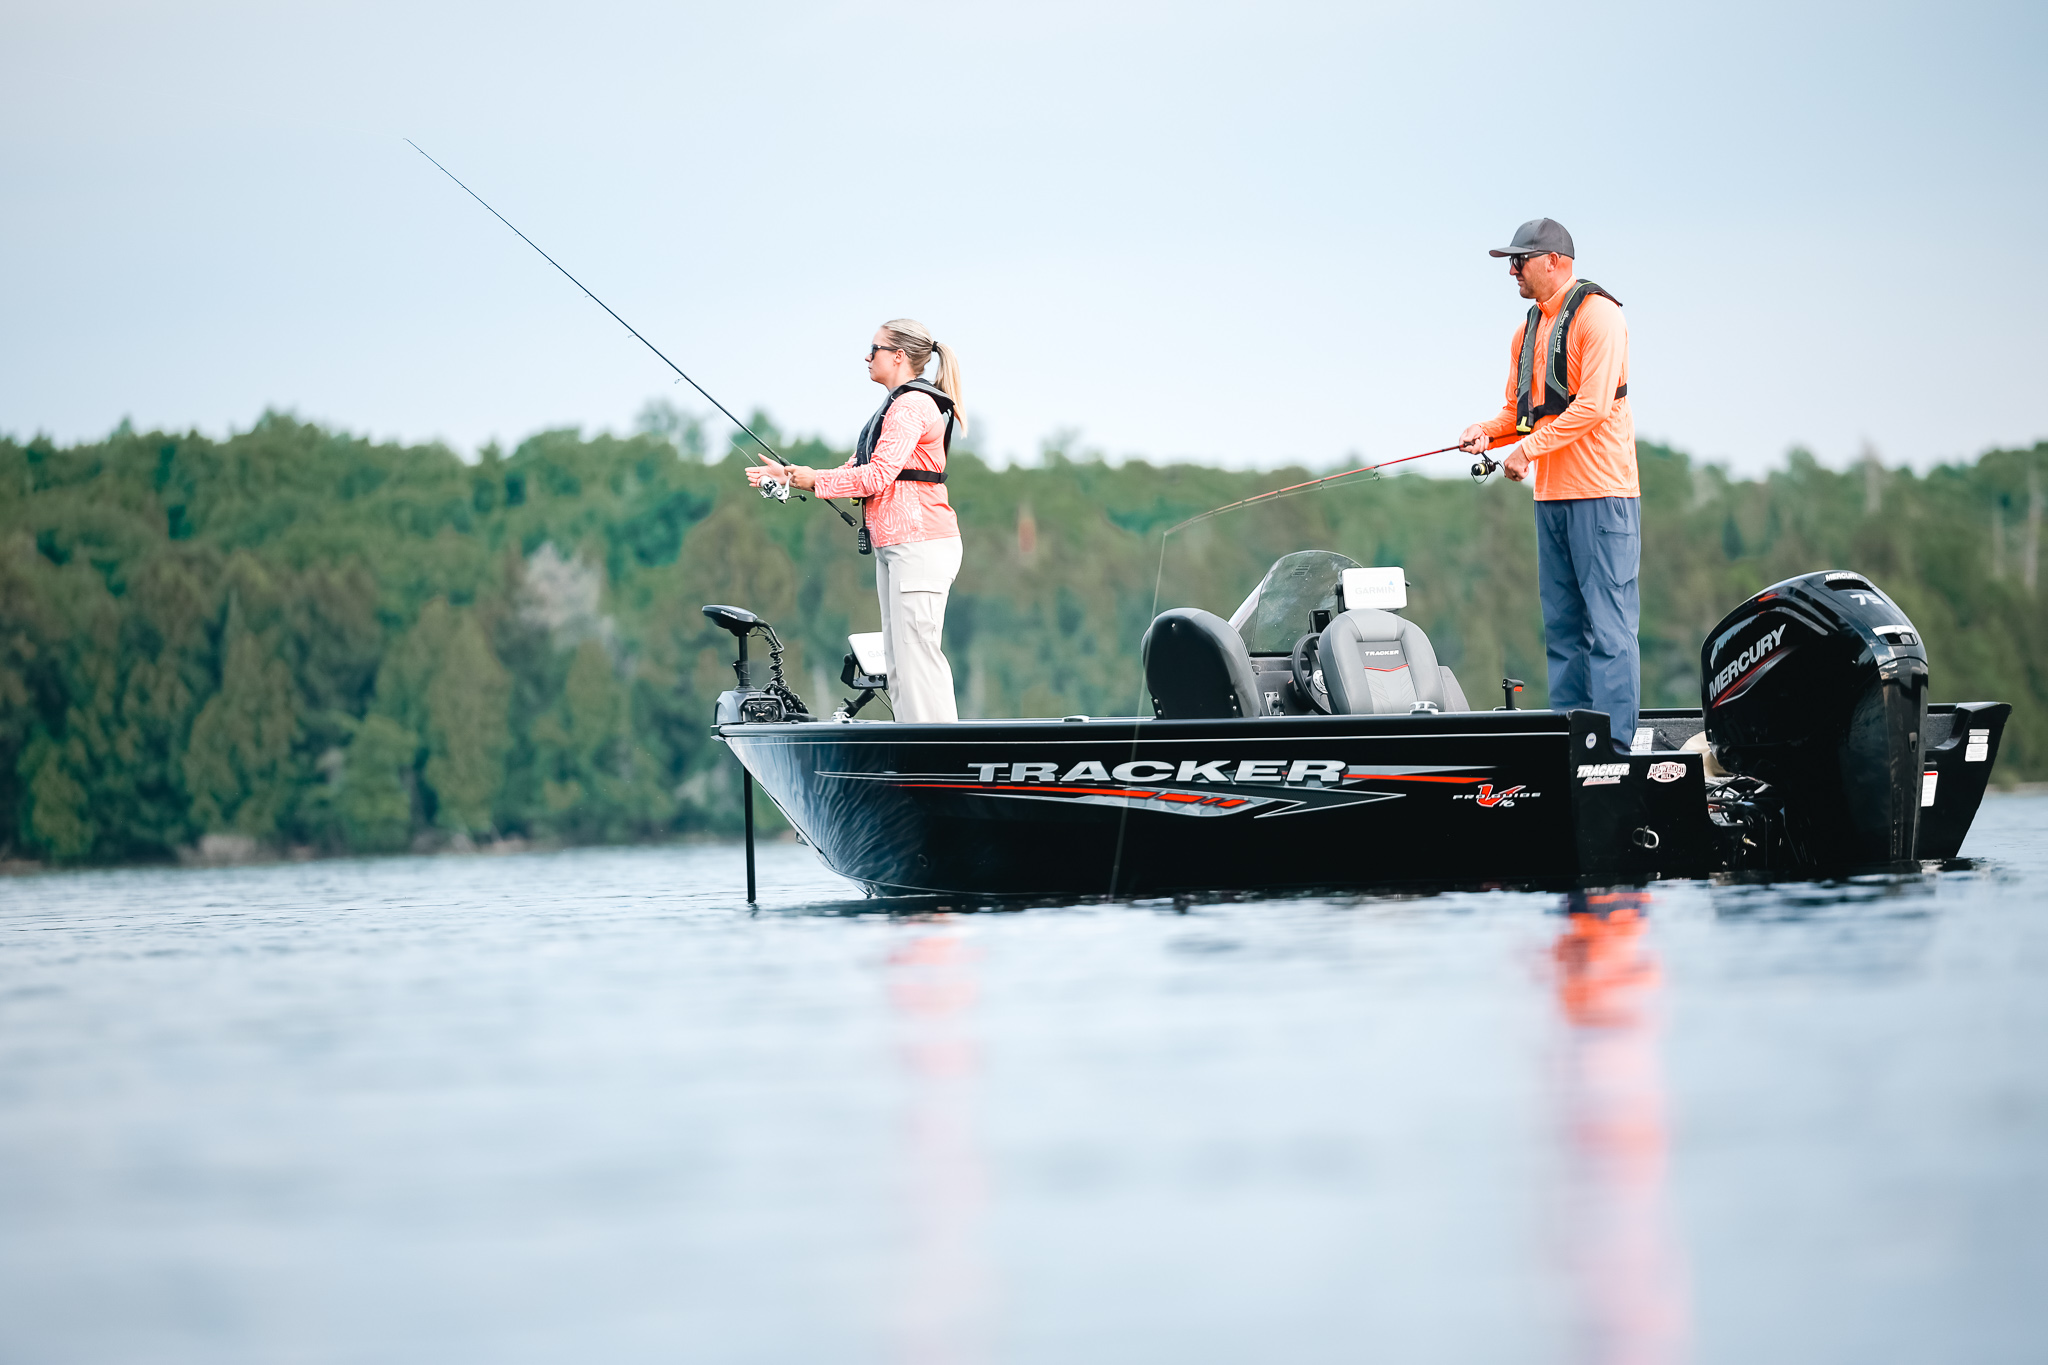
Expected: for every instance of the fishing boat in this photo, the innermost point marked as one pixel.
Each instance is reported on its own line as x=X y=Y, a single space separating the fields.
x=1314 y=740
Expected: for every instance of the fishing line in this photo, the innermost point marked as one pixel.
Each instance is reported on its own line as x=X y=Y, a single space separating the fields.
x=1159 y=577
x=623 y=323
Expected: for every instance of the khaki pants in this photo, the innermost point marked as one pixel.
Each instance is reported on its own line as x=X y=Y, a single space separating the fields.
x=913 y=582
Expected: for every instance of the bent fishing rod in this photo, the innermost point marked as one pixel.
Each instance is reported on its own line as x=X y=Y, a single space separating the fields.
x=1481 y=471
x=770 y=488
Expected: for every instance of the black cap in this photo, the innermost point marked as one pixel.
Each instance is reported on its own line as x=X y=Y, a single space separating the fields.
x=1537 y=236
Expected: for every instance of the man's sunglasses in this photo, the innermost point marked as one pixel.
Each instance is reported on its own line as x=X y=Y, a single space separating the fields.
x=1515 y=263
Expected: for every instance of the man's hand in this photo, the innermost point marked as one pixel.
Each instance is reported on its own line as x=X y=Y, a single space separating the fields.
x=1516 y=466
x=1474 y=440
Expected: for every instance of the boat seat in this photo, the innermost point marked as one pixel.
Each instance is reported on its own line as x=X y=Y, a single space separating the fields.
x=1376 y=664
x=1197 y=667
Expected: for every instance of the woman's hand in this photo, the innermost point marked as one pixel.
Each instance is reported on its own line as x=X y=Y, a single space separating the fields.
x=795 y=475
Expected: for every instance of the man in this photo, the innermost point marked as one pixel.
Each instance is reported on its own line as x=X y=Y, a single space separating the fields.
x=1567 y=401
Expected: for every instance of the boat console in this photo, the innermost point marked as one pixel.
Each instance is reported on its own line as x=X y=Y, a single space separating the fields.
x=1356 y=658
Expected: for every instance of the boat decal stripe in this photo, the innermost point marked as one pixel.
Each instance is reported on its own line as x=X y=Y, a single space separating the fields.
x=1407 y=777
x=1133 y=793
x=1272 y=729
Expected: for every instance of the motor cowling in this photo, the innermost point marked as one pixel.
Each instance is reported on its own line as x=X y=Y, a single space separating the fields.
x=1818 y=687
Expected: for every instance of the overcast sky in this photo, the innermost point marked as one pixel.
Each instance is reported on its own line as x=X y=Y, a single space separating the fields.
x=1246 y=234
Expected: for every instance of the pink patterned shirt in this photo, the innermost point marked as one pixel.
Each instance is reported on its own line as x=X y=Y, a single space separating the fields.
x=913 y=437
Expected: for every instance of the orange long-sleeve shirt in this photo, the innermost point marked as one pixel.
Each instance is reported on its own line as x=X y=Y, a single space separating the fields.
x=1589 y=449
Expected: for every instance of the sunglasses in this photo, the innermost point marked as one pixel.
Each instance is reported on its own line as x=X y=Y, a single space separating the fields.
x=872 y=350
x=1515 y=263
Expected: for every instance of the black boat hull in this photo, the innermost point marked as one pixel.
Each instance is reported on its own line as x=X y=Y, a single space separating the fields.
x=1122 y=807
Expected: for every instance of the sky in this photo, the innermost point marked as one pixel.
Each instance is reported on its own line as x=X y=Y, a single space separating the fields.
x=1248 y=235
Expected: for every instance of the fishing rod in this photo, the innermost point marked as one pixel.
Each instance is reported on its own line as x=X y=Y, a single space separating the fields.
x=770 y=488
x=1480 y=472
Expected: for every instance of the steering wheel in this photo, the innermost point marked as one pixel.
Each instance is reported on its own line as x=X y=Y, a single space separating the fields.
x=1308 y=677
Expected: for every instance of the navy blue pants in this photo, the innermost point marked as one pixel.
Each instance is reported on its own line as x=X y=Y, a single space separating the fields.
x=1587 y=553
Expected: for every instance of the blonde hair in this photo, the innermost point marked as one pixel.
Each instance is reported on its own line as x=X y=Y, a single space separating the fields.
x=917 y=343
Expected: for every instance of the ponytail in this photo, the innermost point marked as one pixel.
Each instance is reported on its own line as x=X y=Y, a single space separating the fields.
x=917 y=343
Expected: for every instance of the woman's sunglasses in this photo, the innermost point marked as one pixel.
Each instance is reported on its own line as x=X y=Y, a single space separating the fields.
x=873 y=349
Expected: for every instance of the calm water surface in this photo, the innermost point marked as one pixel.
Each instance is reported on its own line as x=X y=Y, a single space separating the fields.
x=585 y=1106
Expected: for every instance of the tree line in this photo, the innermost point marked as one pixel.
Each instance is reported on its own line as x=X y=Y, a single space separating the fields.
x=318 y=642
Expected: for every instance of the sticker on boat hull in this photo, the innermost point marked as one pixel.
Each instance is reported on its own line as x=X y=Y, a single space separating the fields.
x=1209 y=788
x=1601 y=774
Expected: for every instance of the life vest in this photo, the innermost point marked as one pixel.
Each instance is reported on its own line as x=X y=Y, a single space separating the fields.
x=1554 y=367
x=864 y=448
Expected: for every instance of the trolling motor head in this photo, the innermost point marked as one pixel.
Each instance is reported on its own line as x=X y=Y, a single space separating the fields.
x=738 y=620
x=746 y=703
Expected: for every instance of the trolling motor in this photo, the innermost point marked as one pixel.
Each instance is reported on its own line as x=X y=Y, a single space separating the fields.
x=747 y=704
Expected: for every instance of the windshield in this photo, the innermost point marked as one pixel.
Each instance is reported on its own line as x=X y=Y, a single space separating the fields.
x=1277 y=612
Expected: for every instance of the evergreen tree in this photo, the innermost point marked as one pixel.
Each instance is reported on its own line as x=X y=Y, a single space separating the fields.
x=238 y=764
x=58 y=813
x=597 y=781
x=468 y=733
x=378 y=778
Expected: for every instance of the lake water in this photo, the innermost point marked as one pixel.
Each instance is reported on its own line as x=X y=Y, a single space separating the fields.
x=586 y=1106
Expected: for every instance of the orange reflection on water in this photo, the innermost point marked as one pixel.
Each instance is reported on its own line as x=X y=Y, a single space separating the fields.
x=1624 y=1259
x=944 y=1292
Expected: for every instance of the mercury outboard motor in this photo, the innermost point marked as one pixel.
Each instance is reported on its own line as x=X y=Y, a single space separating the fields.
x=1817 y=687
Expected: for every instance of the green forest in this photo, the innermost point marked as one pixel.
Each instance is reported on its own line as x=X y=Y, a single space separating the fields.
x=320 y=644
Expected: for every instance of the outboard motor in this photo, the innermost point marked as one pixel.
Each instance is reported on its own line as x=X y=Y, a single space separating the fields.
x=1817 y=686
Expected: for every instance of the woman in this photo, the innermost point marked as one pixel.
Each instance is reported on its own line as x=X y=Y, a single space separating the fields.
x=899 y=469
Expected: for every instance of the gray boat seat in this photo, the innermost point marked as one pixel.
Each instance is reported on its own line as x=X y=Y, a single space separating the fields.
x=1198 y=668
x=1376 y=664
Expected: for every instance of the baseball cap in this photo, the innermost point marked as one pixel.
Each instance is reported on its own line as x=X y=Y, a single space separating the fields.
x=1536 y=236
